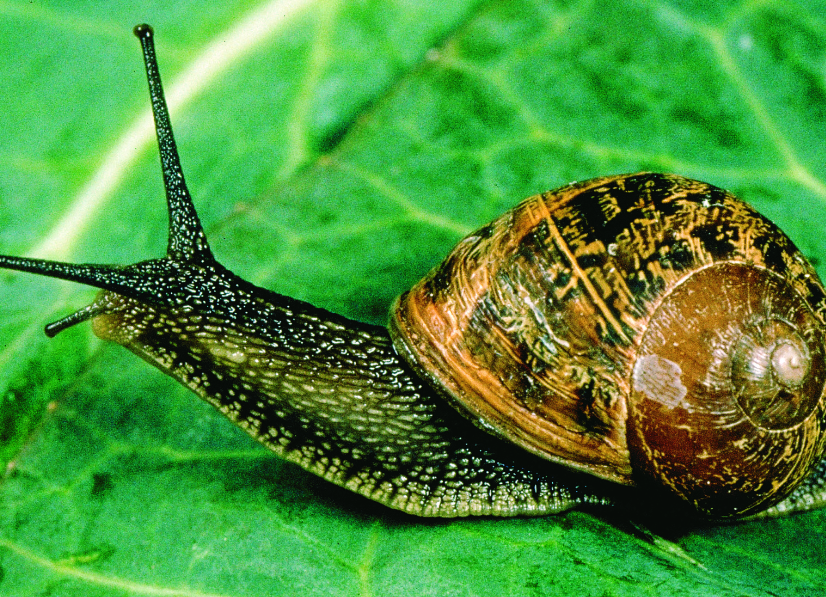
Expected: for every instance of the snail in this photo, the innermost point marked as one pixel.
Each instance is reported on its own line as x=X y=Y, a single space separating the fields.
x=642 y=330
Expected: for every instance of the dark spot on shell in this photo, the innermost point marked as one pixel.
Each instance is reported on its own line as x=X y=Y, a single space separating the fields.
x=440 y=283
x=562 y=279
x=587 y=396
x=677 y=256
x=535 y=244
x=774 y=254
x=816 y=291
x=637 y=285
x=485 y=232
x=591 y=260
x=646 y=285
x=714 y=243
x=611 y=337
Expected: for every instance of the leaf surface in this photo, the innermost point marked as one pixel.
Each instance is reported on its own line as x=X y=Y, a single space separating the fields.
x=336 y=157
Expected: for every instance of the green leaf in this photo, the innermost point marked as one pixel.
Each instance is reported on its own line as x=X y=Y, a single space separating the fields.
x=336 y=151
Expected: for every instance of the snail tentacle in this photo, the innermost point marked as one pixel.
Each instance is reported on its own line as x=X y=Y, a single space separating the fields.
x=187 y=241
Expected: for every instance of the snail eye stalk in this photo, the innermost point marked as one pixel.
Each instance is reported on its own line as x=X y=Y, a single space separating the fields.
x=187 y=241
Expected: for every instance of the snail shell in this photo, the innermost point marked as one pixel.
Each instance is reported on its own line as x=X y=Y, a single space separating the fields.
x=648 y=329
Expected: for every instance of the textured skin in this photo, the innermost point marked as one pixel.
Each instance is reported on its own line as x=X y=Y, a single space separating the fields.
x=533 y=326
x=332 y=396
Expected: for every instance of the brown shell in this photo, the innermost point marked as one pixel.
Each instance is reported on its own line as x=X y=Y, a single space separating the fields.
x=542 y=325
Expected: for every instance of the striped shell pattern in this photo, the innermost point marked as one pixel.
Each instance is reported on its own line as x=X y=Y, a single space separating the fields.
x=648 y=329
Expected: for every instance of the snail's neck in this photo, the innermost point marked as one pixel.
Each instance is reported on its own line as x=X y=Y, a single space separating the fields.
x=210 y=319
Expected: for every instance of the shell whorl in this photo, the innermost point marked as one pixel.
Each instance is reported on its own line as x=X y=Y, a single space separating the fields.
x=726 y=405
x=537 y=325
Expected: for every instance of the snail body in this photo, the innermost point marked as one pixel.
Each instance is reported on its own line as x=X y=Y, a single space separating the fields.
x=647 y=330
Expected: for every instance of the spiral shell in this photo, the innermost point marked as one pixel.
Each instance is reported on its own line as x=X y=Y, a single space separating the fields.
x=648 y=329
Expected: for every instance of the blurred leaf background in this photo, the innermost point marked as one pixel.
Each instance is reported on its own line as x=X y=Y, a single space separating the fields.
x=336 y=158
